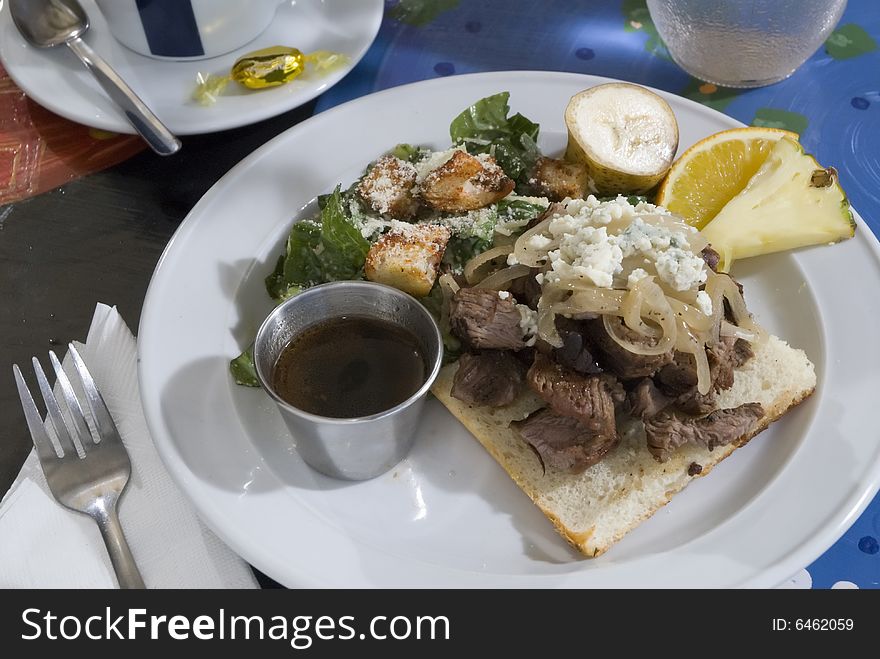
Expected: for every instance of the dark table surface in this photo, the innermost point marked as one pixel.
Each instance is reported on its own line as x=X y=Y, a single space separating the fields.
x=98 y=238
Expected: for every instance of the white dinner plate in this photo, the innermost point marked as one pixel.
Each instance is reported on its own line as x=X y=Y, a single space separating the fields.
x=449 y=515
x=57 y=80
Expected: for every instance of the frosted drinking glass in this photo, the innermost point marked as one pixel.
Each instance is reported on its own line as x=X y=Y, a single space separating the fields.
x=743 y=43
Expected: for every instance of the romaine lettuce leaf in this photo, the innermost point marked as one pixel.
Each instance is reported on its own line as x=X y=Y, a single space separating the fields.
x=275 y=282
x=461 y=250
x=406 y=152
x=344 y=248
x=299 y=265
x=485 y=127
x=302 y=265
x=243 y=370
x=329 y=249
x=518 y=210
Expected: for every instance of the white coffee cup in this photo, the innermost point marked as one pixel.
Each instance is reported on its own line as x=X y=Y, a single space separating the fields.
x=187 y=29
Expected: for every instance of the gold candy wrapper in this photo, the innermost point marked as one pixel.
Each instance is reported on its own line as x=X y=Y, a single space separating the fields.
x=269 y=67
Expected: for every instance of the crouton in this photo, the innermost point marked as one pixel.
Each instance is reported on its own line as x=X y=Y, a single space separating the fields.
x=408 y=257
x=465 y=182
x=388 y=188
x=558 y=179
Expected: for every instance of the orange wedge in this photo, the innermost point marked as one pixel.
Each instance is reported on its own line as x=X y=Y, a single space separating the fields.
x=716 y=169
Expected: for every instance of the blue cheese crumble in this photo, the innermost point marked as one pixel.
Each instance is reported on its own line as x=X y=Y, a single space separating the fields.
x=590 y=239
x=704 y=303
x=528 y=323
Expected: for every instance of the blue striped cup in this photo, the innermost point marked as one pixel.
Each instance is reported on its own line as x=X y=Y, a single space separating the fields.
x=187 y=29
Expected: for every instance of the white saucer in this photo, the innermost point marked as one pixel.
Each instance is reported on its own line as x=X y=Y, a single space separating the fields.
x=55 y=79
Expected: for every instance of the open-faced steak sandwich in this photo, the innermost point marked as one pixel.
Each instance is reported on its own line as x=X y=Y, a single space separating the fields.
x=629 y=369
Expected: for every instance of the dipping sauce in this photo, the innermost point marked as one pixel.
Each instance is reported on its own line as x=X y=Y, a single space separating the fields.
x=349 y=367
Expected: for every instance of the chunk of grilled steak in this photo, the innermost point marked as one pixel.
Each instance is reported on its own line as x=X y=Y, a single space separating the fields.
x=646 y=400
x=679 y=379
x=563 y=442
x=484 y=321
x=589 y=398
x=575 y=351
x=527 y=289
x=668 y=430
x=711 y=257
x=492 y=378
x=615 y=358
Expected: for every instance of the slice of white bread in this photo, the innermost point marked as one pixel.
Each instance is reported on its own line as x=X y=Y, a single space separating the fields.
x=596 y=508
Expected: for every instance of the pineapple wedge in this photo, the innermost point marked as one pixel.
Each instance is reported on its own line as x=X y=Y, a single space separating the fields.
x=791 y=201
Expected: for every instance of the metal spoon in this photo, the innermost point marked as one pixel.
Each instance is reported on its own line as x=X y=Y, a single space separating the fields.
x=49 y=23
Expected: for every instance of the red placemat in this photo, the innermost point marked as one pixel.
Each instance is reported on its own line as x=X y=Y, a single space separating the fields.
x=40 y=150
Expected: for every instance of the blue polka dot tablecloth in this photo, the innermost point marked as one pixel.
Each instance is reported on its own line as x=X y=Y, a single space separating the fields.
x=833 y=102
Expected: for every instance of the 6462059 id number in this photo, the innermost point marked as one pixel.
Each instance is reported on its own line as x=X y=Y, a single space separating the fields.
x=813 y=624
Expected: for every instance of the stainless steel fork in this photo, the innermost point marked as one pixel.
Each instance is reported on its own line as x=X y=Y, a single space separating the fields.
x=90 y=468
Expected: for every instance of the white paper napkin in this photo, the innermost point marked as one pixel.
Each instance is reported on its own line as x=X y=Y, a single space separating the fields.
x=43 y=545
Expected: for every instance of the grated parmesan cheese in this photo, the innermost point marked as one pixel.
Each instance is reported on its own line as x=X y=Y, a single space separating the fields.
x=387 y=187
x=432 y=161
